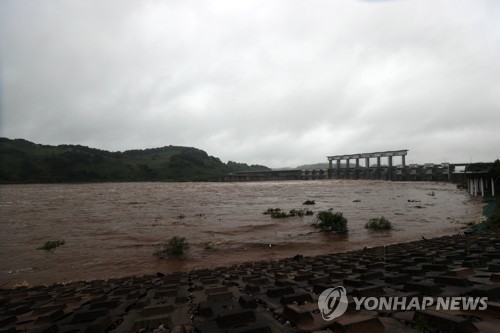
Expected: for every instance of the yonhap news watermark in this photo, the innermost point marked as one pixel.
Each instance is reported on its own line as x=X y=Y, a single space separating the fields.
x=333 y=303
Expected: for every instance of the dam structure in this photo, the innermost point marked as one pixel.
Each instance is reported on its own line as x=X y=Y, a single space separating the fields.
x=368 y=171
x=383 y=165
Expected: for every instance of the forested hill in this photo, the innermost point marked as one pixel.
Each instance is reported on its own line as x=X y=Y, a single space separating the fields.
x=22 y=161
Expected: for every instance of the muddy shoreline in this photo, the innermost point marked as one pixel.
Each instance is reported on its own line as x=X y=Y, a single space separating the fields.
x=277 y=295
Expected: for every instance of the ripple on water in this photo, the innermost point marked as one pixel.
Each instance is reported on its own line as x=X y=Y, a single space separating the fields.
x=111 y=229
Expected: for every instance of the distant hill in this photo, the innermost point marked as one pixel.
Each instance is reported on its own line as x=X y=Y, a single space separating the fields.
x=22 y=161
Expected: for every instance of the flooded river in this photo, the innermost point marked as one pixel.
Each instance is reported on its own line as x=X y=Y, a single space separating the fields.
x=111 y=229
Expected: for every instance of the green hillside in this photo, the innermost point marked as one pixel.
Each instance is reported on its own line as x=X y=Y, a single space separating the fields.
x=22 y=161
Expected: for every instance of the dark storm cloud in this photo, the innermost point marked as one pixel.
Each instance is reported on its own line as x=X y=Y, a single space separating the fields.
x=280 y=83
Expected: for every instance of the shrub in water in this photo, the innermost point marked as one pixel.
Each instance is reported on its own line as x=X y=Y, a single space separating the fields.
x=49 y=245
x=309 y=202
x=380 y=223
x=271 y=211
x=296 y=212
x=175 y=247
x=277 y=213
x=329 y=221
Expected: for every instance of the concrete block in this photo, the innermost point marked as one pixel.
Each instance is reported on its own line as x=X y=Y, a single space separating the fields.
x=452 y=281
x=306 y=318
x=356 y=283
x=279 y=291
x=372 y=276
x=434 y=267
x=368 y=291
x=252 y=288
x=426 y=287
x=446 y=322
x=304 y=277
x=335 y=274
x=358 y=323
x=252 y=328
x=99 y=325
x=492 y=291
x=247 y=302
x=319 y=280
x=7 y=320
x=205 y=309
x=495 y=278
x=299 y=298
x=283 y=283
x=461 y=271
x=156 y=310
x=297 y=314
x=88 y=315
x=50 y=317
x=394 y=267
x=413 y=271
x=319 y=288
x=376 y=265
x=235 y=317
x=397 y=279
x=495 y=267
x=109 y=304
x=210 y=281
x=52 y=328
x=224 y=296
x=48 y=308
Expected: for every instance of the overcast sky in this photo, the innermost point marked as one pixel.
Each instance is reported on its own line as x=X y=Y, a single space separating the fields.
x=280 y=83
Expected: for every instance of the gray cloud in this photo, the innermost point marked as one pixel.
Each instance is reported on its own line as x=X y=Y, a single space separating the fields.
x=280 y=83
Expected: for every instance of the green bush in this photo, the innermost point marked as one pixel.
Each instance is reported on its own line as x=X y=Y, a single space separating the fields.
x=380 y=223
x=271 y=211
x=296 y=212
x=309 y=202
x=329 y=221
x=175 y=247
x=49 y=245
x=277 y=213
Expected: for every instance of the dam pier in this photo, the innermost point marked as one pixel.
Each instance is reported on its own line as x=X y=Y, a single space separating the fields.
x=368 y=171
x=479 y=178
x=385 y=165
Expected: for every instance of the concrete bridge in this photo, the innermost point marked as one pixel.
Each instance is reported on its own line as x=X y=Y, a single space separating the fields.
x=482 y=179
x=340 y=167
x=368 y=171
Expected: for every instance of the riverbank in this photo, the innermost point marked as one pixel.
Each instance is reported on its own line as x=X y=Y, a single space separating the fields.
x=490 y=218
x=277 y=296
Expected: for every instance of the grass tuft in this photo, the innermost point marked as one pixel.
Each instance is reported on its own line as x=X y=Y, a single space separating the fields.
x=330 y=221
x=379 y=223
x=174 y=247
x=271 y=211
x=277 y=213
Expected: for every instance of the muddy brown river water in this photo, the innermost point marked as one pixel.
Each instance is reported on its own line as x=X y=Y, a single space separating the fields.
x=111 y=229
